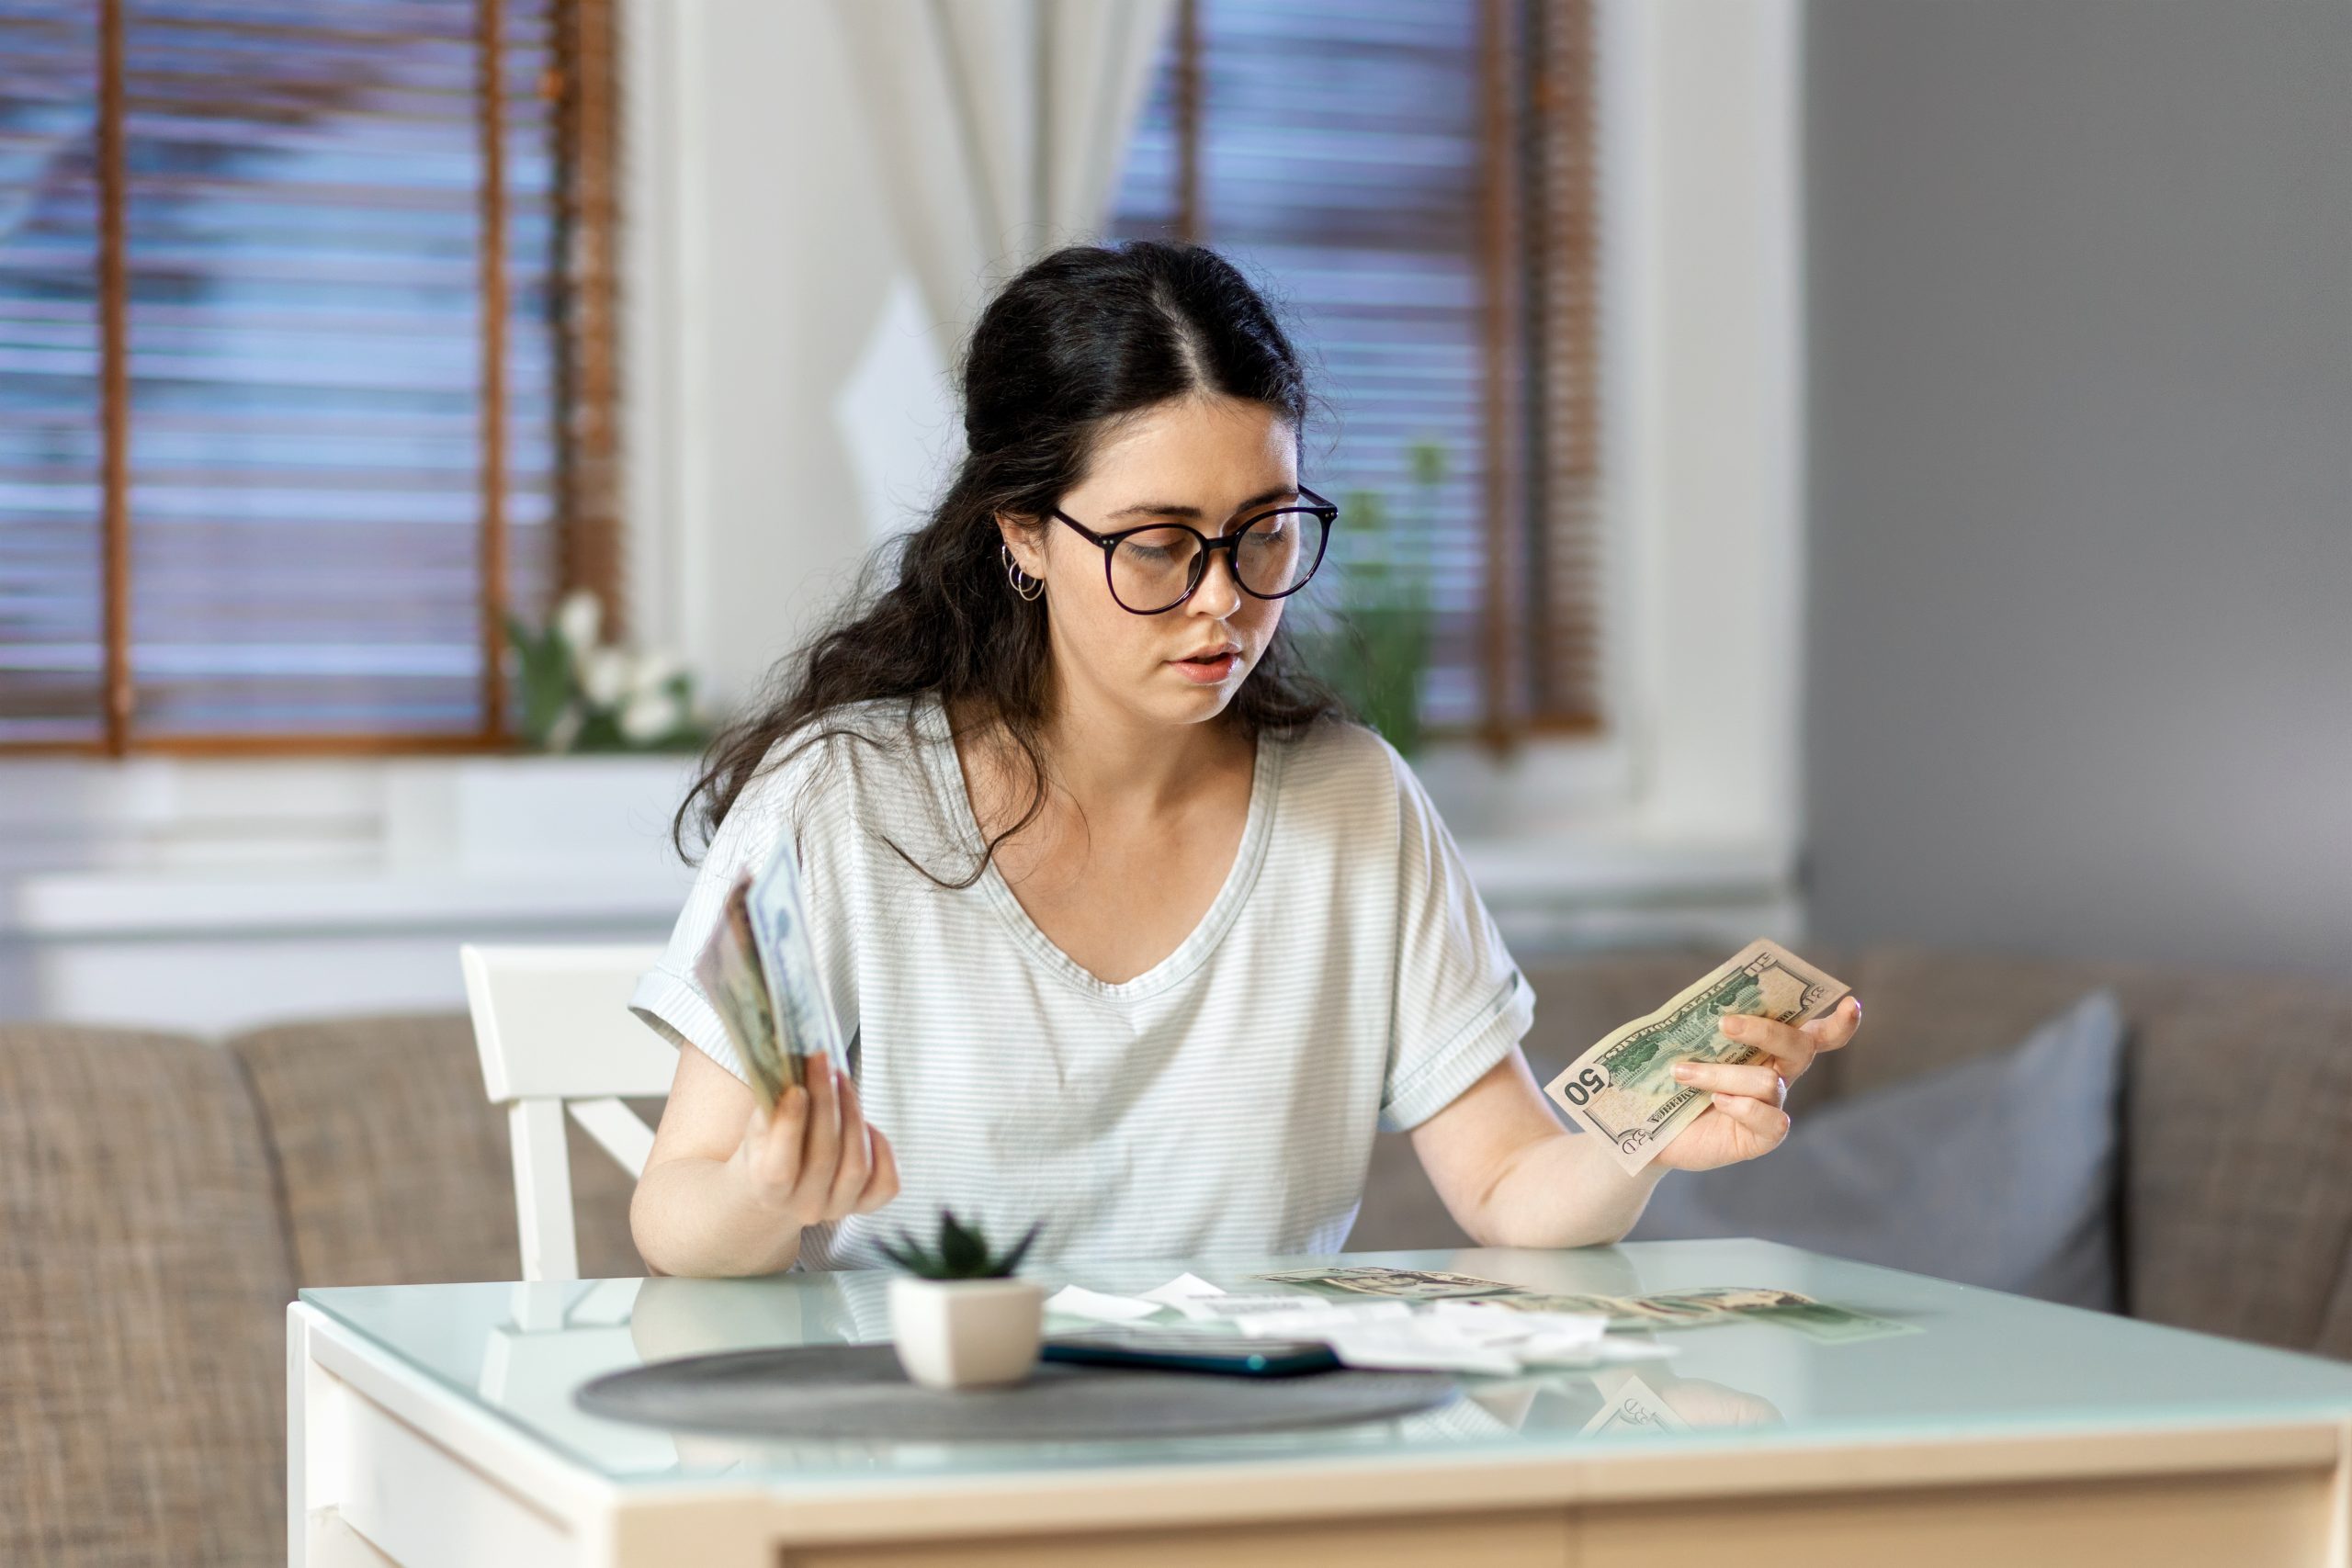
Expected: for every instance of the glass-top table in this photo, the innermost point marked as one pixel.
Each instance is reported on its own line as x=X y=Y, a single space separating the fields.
x=1972 y=1367
x=1980 y=1361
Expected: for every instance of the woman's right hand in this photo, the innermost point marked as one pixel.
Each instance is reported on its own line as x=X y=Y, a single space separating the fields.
x=814 y=1158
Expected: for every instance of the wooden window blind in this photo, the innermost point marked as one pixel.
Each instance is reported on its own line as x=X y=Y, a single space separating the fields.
x=305 y=364
x=1414 y=179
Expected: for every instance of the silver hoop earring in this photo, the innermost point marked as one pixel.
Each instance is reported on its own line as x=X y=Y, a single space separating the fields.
x=1028 y=587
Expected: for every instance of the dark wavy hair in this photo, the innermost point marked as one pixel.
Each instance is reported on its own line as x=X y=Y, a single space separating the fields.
x=1083 y=338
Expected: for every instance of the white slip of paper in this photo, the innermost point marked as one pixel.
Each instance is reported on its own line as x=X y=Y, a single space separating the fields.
x=1221 y=1309
x=1542 y=1338
x=1188 y=1293
x=1606 y=1353
x=1460 y=1336
x=1195 y=1297
x=1077 y=1300
x=1182 y=1289
x=1319 y=1320
x=1422 y=1343
x=1448 y=1336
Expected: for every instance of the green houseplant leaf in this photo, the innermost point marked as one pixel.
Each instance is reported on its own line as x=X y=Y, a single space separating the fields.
x=1372 y=648
x=543 y=678
x=960 y=1253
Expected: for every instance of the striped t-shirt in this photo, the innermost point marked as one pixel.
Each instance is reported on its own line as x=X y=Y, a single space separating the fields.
x=1346 y=978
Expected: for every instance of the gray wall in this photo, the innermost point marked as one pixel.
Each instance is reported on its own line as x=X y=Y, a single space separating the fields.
x=2080 y=634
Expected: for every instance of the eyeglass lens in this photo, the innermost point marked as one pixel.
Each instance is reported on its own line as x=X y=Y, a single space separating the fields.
x=1153 y=570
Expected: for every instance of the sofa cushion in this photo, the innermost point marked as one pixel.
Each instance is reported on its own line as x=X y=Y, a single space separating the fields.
x=2238 y=1150
x=2237 y=1124
x=1998 y=1170
x=394 y=1163
x=1924 y=1010
x=144 y=1283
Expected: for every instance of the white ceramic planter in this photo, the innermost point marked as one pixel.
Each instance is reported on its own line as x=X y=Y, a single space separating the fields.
x=966 y=1333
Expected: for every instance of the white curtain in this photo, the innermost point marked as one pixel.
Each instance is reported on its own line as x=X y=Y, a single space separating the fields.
x=1000 y=127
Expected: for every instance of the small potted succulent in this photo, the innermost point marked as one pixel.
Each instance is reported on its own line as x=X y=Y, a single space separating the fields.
x=958 y=1317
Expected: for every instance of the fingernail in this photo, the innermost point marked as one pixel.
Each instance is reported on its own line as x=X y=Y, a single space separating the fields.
x=1681 y=1069
x=1858 y=1006
x=1733 y=1024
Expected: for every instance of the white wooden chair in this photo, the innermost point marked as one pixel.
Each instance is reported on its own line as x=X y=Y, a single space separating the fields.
x=556 y=1035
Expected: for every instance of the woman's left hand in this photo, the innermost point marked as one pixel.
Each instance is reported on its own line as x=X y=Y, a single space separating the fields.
x=1746 y=1119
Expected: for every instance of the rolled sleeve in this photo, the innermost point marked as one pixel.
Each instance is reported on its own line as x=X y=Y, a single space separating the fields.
x=1459 y=1002
x=776 y=812
x=675 y=1008
x=667 y=996
x=1442 y=1076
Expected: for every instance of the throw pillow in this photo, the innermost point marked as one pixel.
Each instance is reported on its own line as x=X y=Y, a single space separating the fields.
x=2000 y=1171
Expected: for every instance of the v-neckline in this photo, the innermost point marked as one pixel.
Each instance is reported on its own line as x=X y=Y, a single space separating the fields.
x=947 y=777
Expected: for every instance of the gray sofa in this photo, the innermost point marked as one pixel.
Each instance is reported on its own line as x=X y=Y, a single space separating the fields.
x=162 y=1197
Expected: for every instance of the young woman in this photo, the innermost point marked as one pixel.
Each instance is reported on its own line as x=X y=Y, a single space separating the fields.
x=1128 y=930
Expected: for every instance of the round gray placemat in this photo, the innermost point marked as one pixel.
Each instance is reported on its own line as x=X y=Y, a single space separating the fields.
x=859 y=1391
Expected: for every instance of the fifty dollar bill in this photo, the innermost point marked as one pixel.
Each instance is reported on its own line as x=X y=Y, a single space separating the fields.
x=1624 y=1089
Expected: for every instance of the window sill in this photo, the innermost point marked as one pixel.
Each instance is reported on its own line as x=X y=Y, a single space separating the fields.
x=1603 y=889
x=159 y=847
x=127 y=906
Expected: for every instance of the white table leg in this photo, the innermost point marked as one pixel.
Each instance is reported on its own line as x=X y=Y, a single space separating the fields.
x=313 y=1450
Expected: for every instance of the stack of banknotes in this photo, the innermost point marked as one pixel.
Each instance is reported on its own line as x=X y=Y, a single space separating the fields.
x=758 y=970
x=1699 y=1308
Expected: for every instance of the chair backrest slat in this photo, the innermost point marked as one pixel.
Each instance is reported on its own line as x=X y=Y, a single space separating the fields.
x=554 y=1031
x=553 y=1022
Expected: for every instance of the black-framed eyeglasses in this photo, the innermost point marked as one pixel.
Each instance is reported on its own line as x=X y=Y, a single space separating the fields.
x=1153 y=568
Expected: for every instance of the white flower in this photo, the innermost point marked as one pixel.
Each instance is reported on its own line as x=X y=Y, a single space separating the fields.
x=604 y=676
x=649 y=717
x=578 y=619
x=655 y=671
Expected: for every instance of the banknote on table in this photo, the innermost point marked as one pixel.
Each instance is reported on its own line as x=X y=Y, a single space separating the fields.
x=805 y=1025
x=1712 y=1304
x=1829 y=1325
x=1794 y=1310
x=1405 y=1284
x=731 y=975
x=1624 y=1089
x=1621 y=1311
